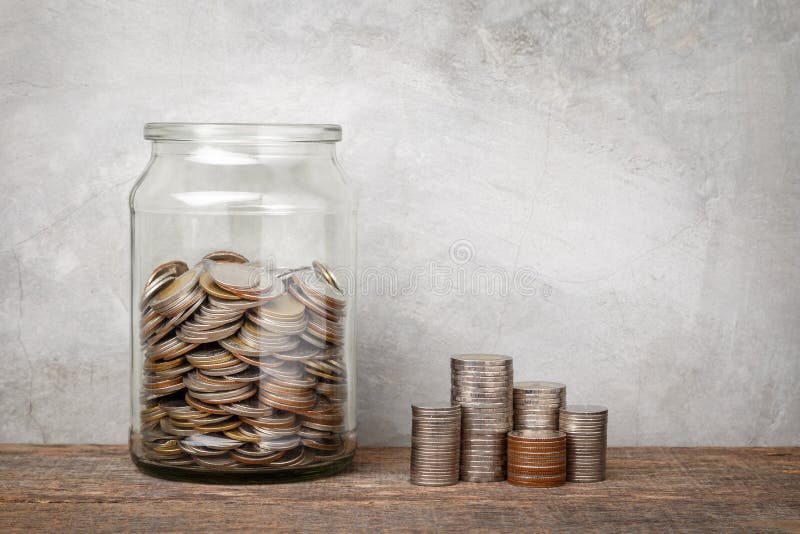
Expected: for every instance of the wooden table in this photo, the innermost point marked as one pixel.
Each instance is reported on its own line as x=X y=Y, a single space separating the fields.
x=97 y=488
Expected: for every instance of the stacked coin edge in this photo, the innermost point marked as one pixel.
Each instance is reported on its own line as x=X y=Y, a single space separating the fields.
x=586 y=427
x=482 y=385
x=537 y=404
x=435 y=445
x=537 y=458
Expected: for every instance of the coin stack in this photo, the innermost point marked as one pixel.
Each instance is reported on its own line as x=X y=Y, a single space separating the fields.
x=435 y=445
x=537 y=458
x=243 y=365
x=482 y=386
x=586 y=429
x=536 y=405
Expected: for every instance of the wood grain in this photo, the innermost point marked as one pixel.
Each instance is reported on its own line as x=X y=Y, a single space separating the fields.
x=97 y=488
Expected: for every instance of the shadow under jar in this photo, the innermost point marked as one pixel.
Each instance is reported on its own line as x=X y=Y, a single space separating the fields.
x=243 y=323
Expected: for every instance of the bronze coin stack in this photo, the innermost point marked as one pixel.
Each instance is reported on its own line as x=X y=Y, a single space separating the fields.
x=435 y=445
x=482 y=386
x=586 y=427
x=243 y=365
x=537 y=404
x=537 y=458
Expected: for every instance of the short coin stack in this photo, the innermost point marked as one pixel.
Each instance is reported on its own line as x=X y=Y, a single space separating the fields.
x=536 y=405
x=586 y=428
x=537 y=458
x=435 y=440
x=482 y=386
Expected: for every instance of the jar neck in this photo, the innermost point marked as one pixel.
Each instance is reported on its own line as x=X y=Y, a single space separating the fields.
x=221 y=152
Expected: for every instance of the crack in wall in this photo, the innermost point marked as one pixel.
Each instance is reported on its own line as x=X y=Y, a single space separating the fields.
x=68 y=213
x=20 y=286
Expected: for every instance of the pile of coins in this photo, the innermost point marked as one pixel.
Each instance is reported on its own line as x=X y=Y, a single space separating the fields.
x=537 y=404
x=537 y=458
x=243 y=365
x=482 y=386
x=586 y=429
x=435 y=440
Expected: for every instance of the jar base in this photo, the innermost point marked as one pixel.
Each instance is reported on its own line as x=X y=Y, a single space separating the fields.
x=299 y=474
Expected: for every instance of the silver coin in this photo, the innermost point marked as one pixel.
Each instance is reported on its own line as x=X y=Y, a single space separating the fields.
x=585 y=409
x=489 y=457
x=435 y=439
x=480 y=381
x=582 y=422
x=482 y=396
x=436 y=417
x=525 y=394
x=483 y=468
x=428 y=455
x=422 y=480
x=438 y=428
x=467 y=448
x=540 y=386
x=583 y=431
x=500 y=425
x=534 y=424
x=484 y=404
x=537 y=435
x=572 y=441
x=473 y=440
x=429 y=467
x=444 y=409
x=486 y=408
x=544 y=414
x=434 y=455
x=535 y=421
x=588 y=425
x=481 y=359
x=492 y=372
x=435 y=450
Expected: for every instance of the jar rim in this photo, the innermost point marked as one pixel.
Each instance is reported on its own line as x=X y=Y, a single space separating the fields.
x=243 y=133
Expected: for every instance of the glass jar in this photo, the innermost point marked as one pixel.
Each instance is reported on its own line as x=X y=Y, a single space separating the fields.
x=243 y=254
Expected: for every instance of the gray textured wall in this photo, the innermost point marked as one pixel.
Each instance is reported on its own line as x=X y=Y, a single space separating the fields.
x=641 y=156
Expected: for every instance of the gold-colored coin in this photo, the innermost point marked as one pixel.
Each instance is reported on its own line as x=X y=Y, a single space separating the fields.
x=219 y=427
x=207 y=283
x=323 y=271
x=240 y=436
x=283 y=307
x=225 y=255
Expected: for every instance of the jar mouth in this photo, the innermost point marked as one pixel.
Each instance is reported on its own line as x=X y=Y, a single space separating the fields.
x=242 y=133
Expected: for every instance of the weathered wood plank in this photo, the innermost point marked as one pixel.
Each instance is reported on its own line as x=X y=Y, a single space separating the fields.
x=97 y=488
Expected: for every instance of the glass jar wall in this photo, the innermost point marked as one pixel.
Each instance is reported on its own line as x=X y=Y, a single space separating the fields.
x=243 y=254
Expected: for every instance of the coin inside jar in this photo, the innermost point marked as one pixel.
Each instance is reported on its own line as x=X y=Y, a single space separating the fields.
x=225 y=352
x=322 y=270
x=225 y=256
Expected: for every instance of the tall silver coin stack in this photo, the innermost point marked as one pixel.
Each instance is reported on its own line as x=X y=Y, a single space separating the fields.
x=482 y=385
x=435 y=445
x=586 y=427
x=537 y=404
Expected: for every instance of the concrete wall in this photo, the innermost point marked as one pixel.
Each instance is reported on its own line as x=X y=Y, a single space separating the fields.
x=641 y=157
